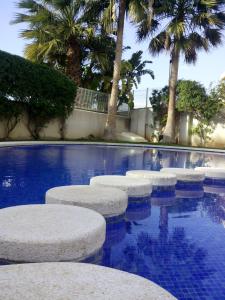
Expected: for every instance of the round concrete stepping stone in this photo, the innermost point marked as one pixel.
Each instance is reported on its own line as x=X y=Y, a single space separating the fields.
x=133 y=187
x=185 y=174
x=71 y=281
x=40 y=233
x=156 y=178
x=216 y=173
x=109 y=202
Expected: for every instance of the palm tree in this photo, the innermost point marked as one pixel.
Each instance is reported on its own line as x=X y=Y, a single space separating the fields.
x=131 y=72
x=110 y=127
x=108 y=10
x=58 y=32
x=182 y=27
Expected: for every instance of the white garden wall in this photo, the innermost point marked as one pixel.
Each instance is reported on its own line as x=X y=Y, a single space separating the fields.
x=80 y=124
x=139 y=120
x=142 y=122
x=83 y=123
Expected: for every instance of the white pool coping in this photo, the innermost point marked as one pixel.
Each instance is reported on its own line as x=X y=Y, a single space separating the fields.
x=149 y=146
x=46 y=233
x=70 y=281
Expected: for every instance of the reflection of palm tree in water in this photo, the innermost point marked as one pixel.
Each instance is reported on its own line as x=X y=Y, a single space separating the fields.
x=167 y=256
x=214 y=206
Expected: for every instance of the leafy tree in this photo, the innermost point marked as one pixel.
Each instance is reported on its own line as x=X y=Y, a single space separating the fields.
x=10 y=113
x=191 y=97
x=218 y=92
x=159 y=103
x=131 y=72
x=182 y=27
x=60 y=34
x=44 y=93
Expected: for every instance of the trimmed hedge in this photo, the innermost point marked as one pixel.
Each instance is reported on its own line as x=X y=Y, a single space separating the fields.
x=43 y=92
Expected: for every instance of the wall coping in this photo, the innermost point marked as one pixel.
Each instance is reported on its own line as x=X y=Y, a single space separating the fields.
x=149 y=146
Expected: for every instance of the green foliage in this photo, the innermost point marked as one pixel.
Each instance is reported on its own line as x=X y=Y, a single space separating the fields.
x=62 y=34
x=10 y=112
x=188 y=26
x=44 y=93
x=218 y=92
x=131 y=72
x=159 y=103
x=191 y=98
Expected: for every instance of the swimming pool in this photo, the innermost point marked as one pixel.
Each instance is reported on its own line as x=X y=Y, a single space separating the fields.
x=177 y=243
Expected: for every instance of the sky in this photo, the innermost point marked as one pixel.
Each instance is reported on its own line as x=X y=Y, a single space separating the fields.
x=207 y=70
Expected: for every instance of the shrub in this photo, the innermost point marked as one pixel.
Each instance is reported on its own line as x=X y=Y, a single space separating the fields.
x=45 y=93
x=10 y=112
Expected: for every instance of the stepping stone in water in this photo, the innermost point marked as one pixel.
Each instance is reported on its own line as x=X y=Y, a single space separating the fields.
x=109 y=202
x=216 y=173
x=188 y=175
x=71 y=281
x=45 y=233
x=155 y=178
x=134 y=188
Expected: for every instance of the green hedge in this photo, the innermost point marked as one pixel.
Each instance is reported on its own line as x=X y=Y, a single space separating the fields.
x=45 y=93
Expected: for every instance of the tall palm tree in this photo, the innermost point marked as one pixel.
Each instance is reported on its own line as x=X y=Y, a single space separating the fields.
x=58 y=32
x=108 y=9
x=110 y=127
x=182 y=27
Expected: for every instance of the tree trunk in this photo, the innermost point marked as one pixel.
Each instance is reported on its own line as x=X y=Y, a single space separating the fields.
x=73 y=63
x=169 y=132
x=110 y=127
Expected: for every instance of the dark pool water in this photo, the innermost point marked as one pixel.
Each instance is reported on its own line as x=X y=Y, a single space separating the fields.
x=177 y=243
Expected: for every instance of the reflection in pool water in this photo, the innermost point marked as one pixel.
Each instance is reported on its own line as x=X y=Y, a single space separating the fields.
x=178 y=243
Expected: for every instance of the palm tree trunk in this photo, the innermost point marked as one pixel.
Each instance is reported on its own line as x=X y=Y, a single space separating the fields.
x=110 y=127
x=169 y=131
x=73 y=63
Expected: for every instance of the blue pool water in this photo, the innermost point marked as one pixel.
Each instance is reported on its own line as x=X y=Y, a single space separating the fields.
x=177 y=243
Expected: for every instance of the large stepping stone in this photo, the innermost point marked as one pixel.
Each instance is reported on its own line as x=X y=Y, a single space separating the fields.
x=45 y=233
x=109 y=202
x=133 y=187
x=71 y=281
x=215 y=173
x=155 y=178
x=188 y=175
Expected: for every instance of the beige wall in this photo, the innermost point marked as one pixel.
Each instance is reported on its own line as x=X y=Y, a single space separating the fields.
x=139 y=119
x=80 y=124
x=217 y=137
